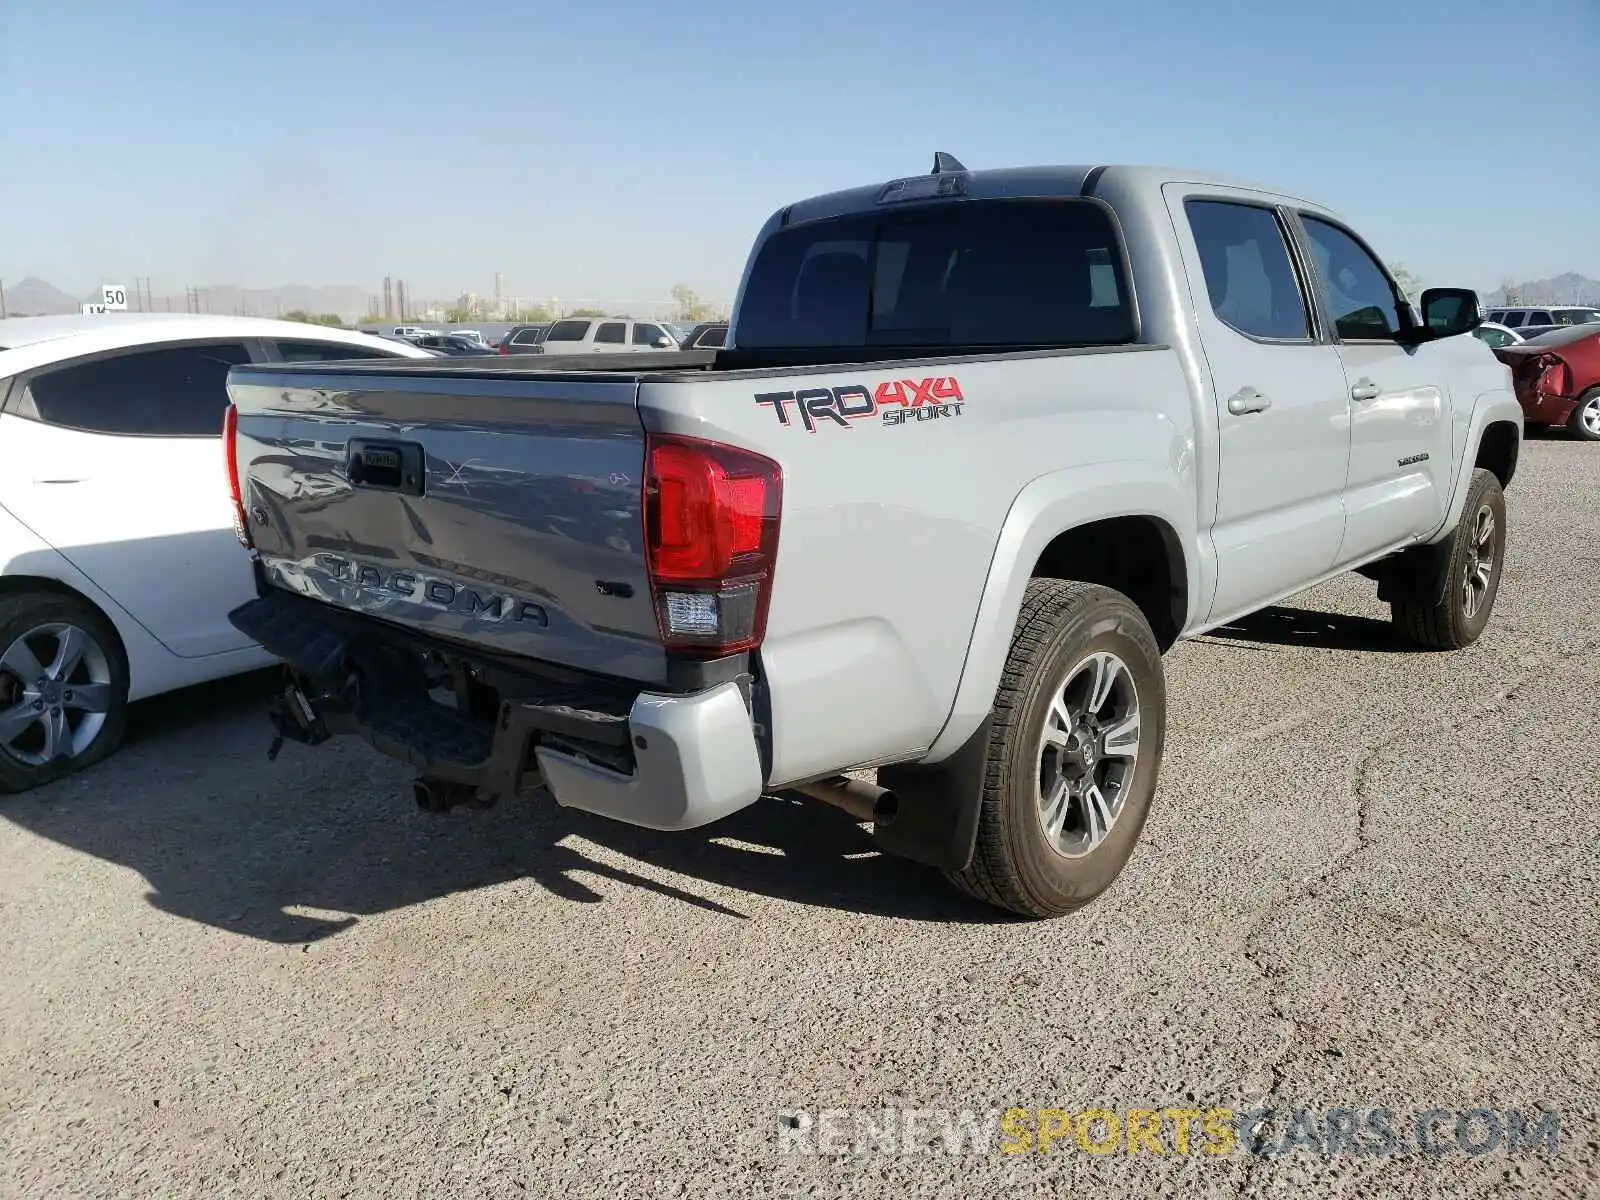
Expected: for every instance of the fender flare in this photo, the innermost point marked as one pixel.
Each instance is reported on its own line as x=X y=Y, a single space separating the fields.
x=1488 y=409
x=1047 y=507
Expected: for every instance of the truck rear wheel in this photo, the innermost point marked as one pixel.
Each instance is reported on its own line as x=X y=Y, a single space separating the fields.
x=1451 y=613
x=1073 y=753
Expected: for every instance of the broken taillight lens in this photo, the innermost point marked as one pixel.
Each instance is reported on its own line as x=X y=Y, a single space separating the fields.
x=1554 y=378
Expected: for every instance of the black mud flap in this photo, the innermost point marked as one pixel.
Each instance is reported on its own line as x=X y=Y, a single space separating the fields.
x=936 y=821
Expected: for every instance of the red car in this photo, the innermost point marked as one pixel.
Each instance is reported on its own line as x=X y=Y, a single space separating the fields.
x=1557 y=378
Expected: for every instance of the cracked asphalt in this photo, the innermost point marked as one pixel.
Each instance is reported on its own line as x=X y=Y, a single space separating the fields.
x=1369 y=881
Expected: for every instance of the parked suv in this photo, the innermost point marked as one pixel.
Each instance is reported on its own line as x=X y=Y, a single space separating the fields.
x=606 y=335
x=522 y=339
x=1524 y=319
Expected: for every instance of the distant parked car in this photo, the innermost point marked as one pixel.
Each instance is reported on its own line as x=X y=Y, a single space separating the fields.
x=1494 y=335
x=450 y=343
x=118 y=558
x=523 y=339
x=472 y=335
x=1557 y=378
x=412 y=331
x=599 y=335
x=708 y=335
x=1524 y=317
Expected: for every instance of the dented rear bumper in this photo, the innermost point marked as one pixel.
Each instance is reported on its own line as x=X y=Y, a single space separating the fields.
x=662 y=761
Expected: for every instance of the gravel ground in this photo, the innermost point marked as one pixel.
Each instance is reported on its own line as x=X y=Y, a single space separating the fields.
x=1369 y=880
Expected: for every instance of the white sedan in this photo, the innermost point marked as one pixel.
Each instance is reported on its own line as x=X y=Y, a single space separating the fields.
x=118 y=561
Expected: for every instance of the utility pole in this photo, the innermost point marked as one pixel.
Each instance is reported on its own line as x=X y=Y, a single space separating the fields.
x=2 y=299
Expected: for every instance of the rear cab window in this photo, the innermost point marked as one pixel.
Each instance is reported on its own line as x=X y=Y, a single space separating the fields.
x=971 y=273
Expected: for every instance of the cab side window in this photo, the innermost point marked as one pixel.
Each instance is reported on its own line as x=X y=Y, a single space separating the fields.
x=1250 y=278
x=1361 y=298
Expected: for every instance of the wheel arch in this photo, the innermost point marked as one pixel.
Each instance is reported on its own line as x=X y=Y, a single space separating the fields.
x=12 y=585
x=1496 y=410
x=1130 y=526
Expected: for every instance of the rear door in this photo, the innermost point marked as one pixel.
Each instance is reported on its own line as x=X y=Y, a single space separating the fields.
x=116 y=461
x=1280 y=390
x=610 y=338
x=1400 y=437
x=567 y=337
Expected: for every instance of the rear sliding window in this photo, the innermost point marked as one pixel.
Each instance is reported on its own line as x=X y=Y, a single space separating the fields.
x=962 y=273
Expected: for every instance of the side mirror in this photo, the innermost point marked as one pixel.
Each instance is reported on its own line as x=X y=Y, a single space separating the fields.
x=663 y=342
x=1447 y=312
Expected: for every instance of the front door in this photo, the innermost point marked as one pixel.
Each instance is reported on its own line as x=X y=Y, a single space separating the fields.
x=1283 y=411
x=1400 y=437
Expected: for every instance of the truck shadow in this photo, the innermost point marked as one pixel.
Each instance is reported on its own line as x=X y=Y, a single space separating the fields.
x=1280 y=626
x=340 y=835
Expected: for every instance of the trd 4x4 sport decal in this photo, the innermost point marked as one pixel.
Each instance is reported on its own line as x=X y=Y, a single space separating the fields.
x=898 y=402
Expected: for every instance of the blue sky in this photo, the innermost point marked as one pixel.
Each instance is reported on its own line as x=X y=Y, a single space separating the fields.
x=613 y=149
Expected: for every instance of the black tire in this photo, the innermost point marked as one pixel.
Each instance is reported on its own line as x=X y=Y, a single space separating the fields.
x=22 y=612
x=1434 y=612
x=1015 y=865
x=1584 y=422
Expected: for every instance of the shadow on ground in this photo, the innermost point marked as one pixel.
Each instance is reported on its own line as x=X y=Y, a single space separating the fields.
x=1280 y=626
x=341 y=834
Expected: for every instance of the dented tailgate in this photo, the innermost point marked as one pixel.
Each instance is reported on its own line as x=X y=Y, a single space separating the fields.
x=496 y=512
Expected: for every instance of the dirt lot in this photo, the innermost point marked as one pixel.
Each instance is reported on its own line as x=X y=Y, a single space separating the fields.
x=1370 y=880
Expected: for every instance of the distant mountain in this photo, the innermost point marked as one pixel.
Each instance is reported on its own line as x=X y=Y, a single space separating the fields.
x=34 y=297
x=1570 y=288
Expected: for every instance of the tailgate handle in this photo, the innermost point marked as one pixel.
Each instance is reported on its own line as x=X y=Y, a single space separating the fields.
x=386 y=466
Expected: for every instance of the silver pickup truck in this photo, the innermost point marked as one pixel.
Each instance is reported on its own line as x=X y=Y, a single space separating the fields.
x=981 y=447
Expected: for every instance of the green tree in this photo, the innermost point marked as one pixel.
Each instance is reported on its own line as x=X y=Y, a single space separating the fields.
x=1510 y=292
x=301 y=315
x=537 y=313
x=690 y=307
x=587 y=312
x=458 y=316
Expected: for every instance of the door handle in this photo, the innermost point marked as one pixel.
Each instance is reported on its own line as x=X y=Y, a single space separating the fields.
x=1247 y=400
x=1364 y=389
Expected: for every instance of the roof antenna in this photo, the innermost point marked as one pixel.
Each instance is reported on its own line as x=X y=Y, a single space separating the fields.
x=944 y=163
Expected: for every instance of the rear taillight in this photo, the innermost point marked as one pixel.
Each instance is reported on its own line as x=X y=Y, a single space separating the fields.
x=501 y=349
x=230 y=449
x=711 y=516
x=1554 y=379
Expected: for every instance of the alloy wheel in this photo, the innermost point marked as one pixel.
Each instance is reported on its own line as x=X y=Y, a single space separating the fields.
x=1088 y=751
x=1482 y=554
x=55 y=694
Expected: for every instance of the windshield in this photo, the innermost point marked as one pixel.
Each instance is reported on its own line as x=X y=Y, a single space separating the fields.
x=1576 y=316
x=964 y=273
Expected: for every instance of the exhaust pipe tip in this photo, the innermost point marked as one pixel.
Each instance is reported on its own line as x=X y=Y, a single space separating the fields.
x=863 y=801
